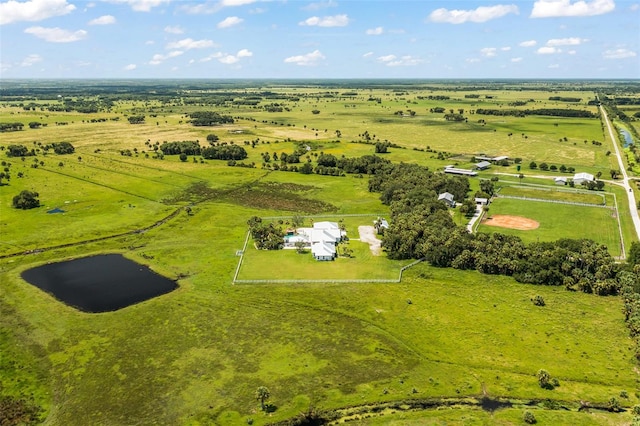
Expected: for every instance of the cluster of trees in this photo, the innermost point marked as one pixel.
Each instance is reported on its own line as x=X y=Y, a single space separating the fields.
x=553 y=112
x=136 y=119
x=62 y=148
x=564 y=99
x=266 y=235
x=19 y=151
x=11 y=127
x=26 y=200
x=209 y=118
x=421 y=227
x=224 y=152
x=181 y=147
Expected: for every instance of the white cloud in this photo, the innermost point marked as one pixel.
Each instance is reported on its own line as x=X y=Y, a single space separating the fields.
x=130 y=67
x=232 y=59
x=375 y=31
x=211 y=57
x=189 y=43
x=309 y=59
x=320 y=5
x=159 y=58
x=505 y=48
x=528 y=43
x=472 y=60
x=489 y=52
x=141 y=5
x=553 y=66
x=56 y=35
x=103 y=20
x=210 y=7
x=619 y=54
x=571 y=41
x=516 y=59
x=548 y=50
x=327 y=21
x=563 y=8
x=31 y=60
x=33 y=10
x=634 y=7
x=403 y=61
x=368 y=54
x=481 y=14
x=149 y=42
x=173 y=29
x=230 y=22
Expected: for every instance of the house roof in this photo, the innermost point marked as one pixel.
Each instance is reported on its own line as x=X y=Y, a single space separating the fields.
x=325 y=235
x=446 y=196
x=483 y=164
x=583 y=176
x=323 y=249
x=560 y=179
x=500 y=158
x=326 y=225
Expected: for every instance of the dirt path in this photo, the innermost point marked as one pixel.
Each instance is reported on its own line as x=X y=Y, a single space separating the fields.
x=368 y=235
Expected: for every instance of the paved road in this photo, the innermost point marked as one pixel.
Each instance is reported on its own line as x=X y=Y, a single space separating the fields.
x=633 y=207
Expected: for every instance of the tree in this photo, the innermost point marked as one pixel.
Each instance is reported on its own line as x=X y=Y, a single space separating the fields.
x=262 y=394
x=529 y=418
x=26 y=200
x=538 y=300
x=183 y=157
x=300 y=246
x=544 y=379
x=533 y=165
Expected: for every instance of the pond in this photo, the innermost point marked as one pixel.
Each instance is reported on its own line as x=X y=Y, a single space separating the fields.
x=628 y=140
x=101 y=283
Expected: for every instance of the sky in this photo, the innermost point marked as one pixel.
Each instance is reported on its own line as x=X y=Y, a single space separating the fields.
x=254 y=39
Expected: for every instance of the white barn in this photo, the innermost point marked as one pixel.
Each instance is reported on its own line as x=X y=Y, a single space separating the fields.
x=580 y=178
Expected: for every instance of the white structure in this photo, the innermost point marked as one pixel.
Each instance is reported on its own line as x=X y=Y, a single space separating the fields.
x=483 y=165
x=447 y=198
x=481 y=201
x=560 y=180
x=322 y=239
x=456 y=171
x=580 y=178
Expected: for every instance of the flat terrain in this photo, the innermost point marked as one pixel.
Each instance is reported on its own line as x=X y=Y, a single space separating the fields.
x=196 y=356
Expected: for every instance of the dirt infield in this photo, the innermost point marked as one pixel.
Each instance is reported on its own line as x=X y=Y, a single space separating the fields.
x=512 y=222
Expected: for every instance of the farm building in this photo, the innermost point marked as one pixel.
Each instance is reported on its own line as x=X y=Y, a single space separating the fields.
x=380 y=224
x=447 y=198
x=560 y=180
x=580 y=178
x=481 y=201
x=483 y=165
x=455 y=171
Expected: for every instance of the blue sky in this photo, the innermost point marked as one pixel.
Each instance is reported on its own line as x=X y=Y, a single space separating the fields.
x=319 y=39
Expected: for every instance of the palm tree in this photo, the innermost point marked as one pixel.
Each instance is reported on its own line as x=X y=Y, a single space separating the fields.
x=262 y=394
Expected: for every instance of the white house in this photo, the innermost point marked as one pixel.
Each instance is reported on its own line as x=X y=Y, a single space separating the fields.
x=481 y=201
x=447 y=198
x=580 y=178
x=322 y=238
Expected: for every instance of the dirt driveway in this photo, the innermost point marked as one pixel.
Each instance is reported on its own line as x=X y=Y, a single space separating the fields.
x=368 y=235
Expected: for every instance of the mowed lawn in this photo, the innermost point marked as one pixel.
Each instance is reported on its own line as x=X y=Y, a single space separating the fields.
x=558 y=220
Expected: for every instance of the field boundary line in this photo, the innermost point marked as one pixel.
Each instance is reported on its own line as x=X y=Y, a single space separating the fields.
x=545 y=200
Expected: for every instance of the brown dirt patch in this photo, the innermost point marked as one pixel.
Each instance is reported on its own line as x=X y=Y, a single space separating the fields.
x=511 y=222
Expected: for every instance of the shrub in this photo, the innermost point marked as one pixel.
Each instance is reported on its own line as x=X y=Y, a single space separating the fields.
x=538 y=300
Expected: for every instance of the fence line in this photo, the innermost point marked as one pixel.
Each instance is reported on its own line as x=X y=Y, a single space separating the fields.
x=325 y=215
x=545 y=200
x=328 y=281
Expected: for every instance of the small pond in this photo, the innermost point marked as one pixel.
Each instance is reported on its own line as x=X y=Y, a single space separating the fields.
x=100 y=283
x=628 y=140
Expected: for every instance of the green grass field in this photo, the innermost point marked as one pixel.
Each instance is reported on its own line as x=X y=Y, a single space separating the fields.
x=196 y=356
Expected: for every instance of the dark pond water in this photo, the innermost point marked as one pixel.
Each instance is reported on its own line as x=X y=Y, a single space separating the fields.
x=100 y=283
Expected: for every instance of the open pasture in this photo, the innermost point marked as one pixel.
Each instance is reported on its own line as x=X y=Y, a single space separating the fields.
x=195 y=356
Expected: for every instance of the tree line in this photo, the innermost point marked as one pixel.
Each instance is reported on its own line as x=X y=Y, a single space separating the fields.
x=553 y=112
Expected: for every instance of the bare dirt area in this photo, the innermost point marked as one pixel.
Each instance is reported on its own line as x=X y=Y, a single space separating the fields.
x=512 y=222
x=368 y=235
